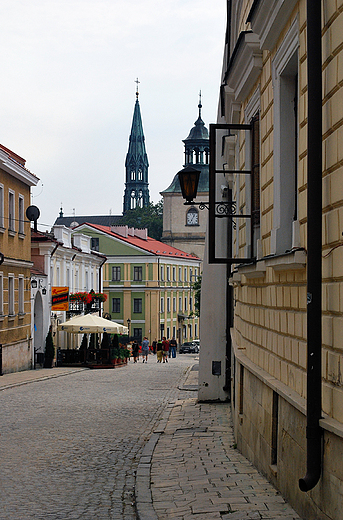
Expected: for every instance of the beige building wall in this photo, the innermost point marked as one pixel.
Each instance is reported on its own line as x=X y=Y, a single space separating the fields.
x=269 y=343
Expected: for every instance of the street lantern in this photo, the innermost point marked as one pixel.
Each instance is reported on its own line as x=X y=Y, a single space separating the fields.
x=128 y=326
x=189 y=180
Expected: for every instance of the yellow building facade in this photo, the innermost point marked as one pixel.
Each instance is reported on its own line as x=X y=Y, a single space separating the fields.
x=15 y=246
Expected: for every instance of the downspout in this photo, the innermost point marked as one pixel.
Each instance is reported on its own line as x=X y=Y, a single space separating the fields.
x=314 y=246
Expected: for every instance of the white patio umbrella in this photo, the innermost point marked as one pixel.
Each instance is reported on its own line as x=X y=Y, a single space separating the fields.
x=90 y=323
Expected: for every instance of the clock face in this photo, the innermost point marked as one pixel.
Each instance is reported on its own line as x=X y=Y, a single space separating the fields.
x=192 y=218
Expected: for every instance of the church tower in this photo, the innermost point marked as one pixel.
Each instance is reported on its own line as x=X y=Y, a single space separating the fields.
x=136 y=194
x=184 y=227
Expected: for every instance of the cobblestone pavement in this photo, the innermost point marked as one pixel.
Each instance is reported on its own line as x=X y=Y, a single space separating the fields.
x=70 y=446
x=196 y=473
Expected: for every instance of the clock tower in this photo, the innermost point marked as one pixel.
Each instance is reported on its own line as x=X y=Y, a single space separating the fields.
x=184 y=227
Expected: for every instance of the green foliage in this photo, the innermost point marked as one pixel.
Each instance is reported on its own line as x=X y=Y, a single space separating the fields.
x=49 y=346
x=115 y=341
x=49 y=350
x=197 y=295
x=94 y=341
x=150 y=217
x=84 y=342
x=105 y=343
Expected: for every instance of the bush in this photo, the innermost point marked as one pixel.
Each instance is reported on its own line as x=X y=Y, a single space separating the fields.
x=49 y=350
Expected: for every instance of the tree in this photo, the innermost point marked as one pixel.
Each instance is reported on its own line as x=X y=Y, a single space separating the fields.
x=197 y=295
x=49 y=350
x=150 y=217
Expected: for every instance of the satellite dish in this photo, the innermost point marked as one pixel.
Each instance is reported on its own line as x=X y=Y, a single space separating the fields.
x=32 y=213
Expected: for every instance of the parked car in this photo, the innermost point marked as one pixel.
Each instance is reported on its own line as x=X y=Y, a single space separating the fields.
x=189 y=347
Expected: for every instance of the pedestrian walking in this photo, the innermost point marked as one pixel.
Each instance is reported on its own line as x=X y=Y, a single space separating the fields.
x=165 y=349
x=159 y=352
x=154 y=345
x=145 y=349
x=172 y=348
x=135 y=351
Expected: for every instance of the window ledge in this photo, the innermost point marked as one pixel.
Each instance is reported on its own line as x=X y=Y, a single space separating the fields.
x=2 y=229
x=292 y=261
x=21 y=315
x=253 y=270
x=21 y=235
x=12 y=233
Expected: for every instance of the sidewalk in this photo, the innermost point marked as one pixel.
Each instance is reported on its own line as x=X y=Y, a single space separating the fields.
x=29 y=376
x=190 y=469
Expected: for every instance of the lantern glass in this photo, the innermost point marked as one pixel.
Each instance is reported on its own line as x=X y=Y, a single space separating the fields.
x=189 y=180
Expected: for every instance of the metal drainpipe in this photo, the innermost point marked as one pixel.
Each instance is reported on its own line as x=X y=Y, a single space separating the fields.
x=314 y=247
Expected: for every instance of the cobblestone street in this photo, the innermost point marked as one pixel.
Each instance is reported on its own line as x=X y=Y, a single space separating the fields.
x=70 y=445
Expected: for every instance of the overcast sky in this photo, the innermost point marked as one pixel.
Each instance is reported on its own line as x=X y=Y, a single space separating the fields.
x=67 y=92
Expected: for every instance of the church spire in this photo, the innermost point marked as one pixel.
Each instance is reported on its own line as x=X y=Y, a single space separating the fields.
x=136 y=165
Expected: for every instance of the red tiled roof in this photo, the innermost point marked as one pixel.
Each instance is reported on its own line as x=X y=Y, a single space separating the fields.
x=150 y=245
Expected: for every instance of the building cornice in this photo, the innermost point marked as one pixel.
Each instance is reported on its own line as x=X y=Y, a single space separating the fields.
x=16 y=170
x=268 y=18
x=245 y=65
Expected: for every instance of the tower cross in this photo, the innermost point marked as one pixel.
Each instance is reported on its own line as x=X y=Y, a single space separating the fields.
x=137 y=82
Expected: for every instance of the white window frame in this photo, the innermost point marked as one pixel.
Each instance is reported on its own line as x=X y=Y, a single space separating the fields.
x=1 y=294
x=168 y=304
x=21 y=295
x=11 y=281
x=11 y=210
x=174 y=304
x=283 y=224
x=162 y=304
x=2 y=206
x=21 y=205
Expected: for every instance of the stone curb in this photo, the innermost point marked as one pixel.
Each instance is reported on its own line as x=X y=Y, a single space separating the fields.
x=39 y=378
x=143 y=498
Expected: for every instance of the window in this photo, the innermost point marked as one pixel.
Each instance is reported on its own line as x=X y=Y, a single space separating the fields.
x=11 y=211
x=174 y=304
x=137 y=305
x=191 y=303
x=174 y=332
x=168 y=273
x=185 y=274
x=168 y=304
x=195 y=330
x=180 y=304
x=174 y=274
x=86 y=281
x=11 y=295
x=1 y=294
x=137 y=334
x=186 y=304
x=162 y=304
x=21 y=295
x=168 y=332
x=285 y=83
x=255 y=166
x=116 y=274
x=137 y=274
x=2 y=206
x=94 y=244
x=116 y=305
x=68 y=277
x=180 y=274
x=21 y=214
x=190 y=330
x=162 y=273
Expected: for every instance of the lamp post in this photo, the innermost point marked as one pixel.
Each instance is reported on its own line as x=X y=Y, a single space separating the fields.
x=189 y=180
x=128 y=327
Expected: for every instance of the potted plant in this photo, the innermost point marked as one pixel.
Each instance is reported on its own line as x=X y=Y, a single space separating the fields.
x=49 y=350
